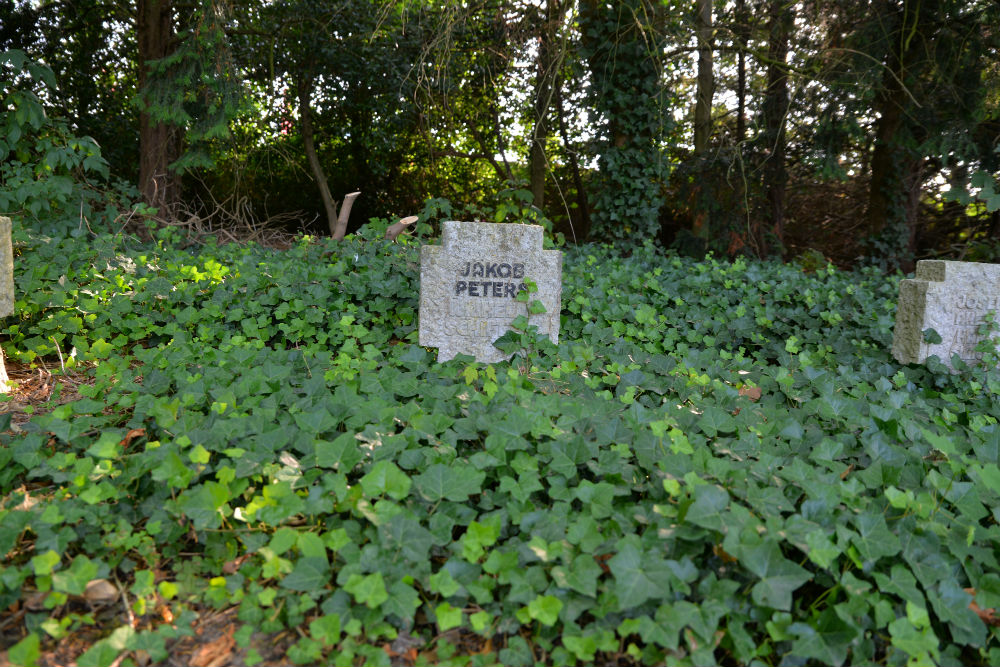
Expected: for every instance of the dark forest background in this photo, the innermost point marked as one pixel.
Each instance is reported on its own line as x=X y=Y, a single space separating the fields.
x=854 y=131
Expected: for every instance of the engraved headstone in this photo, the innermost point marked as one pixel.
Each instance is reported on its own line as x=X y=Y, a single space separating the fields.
x=952 y=298
x=6 y=269
x=6 y=286
x=469 y=286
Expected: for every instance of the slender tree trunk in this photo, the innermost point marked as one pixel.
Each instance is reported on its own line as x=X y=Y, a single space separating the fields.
x=742 y=35
x=159 y=143
x=781 y=17
x=330 y=206
x=574 y=165
x=706 y=79
x=548 y=64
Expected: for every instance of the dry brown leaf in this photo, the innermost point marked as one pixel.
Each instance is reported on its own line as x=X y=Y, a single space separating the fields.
x=600 y=560
x=166 y=614
x=215 y=652
x=722 y=554
x=100 y=591
x=753 y=393
x=233 y=566
x=987 y=616
x=36 y=601
x=485 y=649
x=132 y=435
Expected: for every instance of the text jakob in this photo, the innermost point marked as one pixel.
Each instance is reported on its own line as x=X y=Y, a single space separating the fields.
x=490 y=288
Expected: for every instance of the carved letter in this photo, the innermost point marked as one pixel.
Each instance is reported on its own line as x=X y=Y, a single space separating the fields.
x=460 y=287
x=477 y=269
x=518 y=271
x=466 y=272
x=503 y=271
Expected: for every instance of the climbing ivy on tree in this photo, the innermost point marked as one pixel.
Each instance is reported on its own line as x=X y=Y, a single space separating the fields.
x=622 y=43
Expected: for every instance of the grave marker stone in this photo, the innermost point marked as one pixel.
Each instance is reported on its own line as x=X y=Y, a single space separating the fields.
x=950 y=297
x=6 y=285
x=469 y=285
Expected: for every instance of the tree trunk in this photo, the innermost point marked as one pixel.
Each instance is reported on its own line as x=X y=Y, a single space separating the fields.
x=887 y=172
x=304 y=91
x=706 y=79
x=159 y=143
x=743 y=37
x=574 y=165
x=548 y=63
x=781 y=17
x=340 y=230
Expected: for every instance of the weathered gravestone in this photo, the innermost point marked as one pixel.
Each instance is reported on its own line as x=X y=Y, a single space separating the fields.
x=6 y=285
x=469 y=286
x=952 y=298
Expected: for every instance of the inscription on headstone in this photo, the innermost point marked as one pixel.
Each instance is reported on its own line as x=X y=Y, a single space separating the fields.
x=469 y=286
x=952 y=298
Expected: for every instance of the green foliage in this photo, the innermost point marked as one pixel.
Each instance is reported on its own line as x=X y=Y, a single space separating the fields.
x=622 y=41
x=719 y=463
x=196 y=88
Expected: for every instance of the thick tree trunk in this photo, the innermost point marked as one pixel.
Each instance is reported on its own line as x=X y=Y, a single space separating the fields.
x=548 y=63
x=781 y=18
x=159 y=144
x=330 y=206
x=706 y=78
x=887 y=156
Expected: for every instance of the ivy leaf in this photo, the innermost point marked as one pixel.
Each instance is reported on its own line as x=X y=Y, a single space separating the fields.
x=634 y=578
x=101 y=654
x=873 y=538
x=204 y=504
x=779 y=577
x=952 y=606
x=448 y=617
x=309 y=574
x=368 y=590
x=342 y=453
x=932 y=337
x=326 y=629
x=403 y=533
x=829 y=641
x=455 y=482
x=403 y=601
x=26 y=652
x=582 y=575
x=917 y=643
x=74 y=580
x=709 y=502
x=386 y=478
x=545 y=609
x=902 y=584
x=715 y=420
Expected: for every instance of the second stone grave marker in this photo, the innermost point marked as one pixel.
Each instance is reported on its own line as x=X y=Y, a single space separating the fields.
x=469 y=286
x=952 y=298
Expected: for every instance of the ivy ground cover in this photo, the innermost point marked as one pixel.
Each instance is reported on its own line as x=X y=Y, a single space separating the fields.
x=720 y=463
